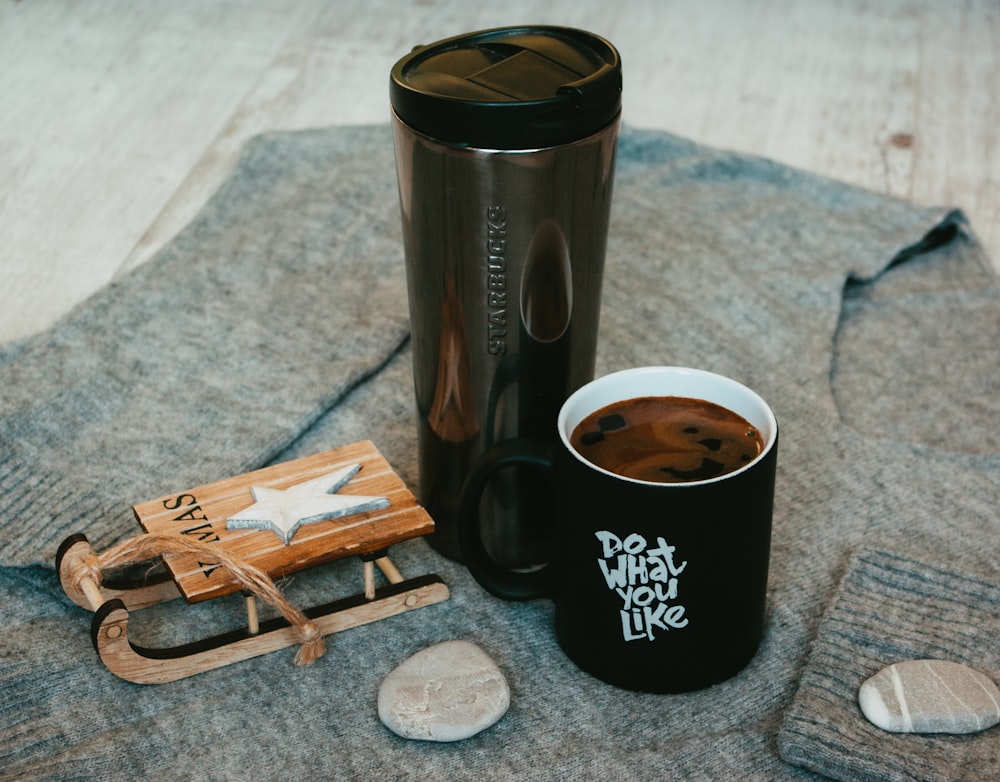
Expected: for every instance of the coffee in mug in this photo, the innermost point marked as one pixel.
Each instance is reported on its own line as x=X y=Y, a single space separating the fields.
x=667 y=439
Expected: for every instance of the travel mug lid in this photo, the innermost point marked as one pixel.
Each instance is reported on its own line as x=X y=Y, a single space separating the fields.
x=509 y=88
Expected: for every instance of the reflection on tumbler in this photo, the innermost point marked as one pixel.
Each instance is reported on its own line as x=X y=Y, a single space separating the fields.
x=547 y=285
x=452 y=416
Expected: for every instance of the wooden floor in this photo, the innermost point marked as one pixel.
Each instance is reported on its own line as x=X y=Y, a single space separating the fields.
x=118 y=118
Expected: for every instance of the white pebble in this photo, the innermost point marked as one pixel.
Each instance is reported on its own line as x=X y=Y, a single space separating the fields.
x=446 y=692
x=930 y=696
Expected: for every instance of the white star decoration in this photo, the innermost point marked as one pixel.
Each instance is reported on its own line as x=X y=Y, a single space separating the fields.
x=284 y=511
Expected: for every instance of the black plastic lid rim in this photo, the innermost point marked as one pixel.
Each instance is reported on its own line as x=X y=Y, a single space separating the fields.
x=507 y=151
x=509 y=88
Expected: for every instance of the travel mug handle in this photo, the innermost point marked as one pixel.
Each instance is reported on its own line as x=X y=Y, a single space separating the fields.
x=502 y=582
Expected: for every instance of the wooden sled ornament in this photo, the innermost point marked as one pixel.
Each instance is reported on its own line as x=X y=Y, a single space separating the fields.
x=366 y=510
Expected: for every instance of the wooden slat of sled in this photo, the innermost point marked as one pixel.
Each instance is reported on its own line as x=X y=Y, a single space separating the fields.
x=201 y=514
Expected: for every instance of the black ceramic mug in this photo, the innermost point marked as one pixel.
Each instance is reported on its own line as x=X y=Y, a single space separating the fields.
x=658 y=587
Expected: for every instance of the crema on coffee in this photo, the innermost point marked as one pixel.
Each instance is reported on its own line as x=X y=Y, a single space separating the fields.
x=667 y=439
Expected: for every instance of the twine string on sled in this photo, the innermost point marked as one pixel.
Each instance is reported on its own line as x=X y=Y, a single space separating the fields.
x=145 y=547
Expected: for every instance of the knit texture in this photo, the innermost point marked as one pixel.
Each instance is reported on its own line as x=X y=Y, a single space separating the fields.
x=275 y=327
x=891 y=608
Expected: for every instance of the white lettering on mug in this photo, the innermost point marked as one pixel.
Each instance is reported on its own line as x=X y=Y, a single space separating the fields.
x=645 y=578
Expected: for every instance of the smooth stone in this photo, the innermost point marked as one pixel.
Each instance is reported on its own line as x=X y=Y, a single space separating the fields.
x=445 y=692
x=930 y=696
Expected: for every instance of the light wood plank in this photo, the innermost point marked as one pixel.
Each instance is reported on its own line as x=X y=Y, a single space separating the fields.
x=957 y=138
x=121 y=118
x=107 y=106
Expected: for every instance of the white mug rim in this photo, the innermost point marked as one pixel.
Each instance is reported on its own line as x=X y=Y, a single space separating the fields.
x=749 y=401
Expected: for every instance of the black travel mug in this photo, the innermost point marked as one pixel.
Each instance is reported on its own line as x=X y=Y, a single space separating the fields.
x=505 y=148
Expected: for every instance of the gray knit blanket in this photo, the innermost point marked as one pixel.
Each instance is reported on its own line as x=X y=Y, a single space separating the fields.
x=275 y=326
